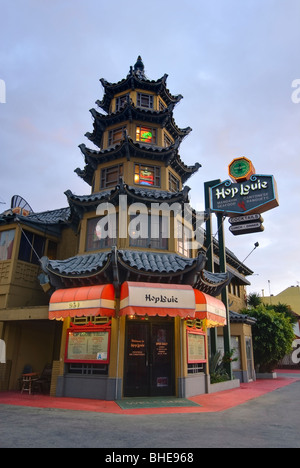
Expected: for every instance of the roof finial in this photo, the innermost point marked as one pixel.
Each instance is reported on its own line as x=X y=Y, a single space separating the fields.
x=139 y=68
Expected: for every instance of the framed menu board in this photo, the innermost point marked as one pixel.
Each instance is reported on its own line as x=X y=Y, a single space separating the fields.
x=88 y=345
x=196 y=346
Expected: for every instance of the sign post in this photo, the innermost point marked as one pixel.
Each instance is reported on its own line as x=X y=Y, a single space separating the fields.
x=210 y=250
x=243 y=199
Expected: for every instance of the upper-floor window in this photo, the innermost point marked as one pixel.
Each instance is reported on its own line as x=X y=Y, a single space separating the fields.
x=184 y=239
x=116 y=135
x=121 y=100
x=161 y=105
x=101 y=232
x=234 y=289
x=110 y=176
x=147 y=175
x=173 y=183
x=32 y=247
x=144 y=100
x=146 y=135
x=167 y=140
x=6 y=244
x=148 y=231
x=52 y=250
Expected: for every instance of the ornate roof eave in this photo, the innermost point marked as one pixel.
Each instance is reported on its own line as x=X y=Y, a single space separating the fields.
x=95 y=270
x=123 y=265
x=127 y=148
x=80 y=204
x=128 y=113
x=132 y=82
x=51 y=221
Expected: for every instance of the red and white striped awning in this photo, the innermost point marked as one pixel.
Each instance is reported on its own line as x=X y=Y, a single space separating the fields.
x=210 y=309
x=157 y=299
x=84 y=301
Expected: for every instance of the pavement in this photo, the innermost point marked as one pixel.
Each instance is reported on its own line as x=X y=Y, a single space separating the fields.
x=261 y=414
x=208 y=403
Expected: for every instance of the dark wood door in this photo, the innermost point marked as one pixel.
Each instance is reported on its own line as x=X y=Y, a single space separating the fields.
x=149 y=359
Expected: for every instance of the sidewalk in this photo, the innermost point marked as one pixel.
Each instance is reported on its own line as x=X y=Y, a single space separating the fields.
x=210 y=403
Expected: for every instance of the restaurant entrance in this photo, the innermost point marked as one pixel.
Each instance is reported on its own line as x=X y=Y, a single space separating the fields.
x=149 y=358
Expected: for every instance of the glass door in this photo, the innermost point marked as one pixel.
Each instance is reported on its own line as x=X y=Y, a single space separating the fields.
x=149 y=359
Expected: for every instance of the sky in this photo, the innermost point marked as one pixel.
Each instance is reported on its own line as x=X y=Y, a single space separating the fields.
x=236 y=64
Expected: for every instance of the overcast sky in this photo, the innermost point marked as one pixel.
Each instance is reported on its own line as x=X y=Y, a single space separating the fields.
x=233 y=61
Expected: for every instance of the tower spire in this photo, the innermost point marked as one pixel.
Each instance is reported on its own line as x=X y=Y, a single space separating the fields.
x=139 y=68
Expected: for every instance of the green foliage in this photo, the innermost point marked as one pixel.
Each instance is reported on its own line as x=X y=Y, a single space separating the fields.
x=285 y=310
x=253 y=300
x=272 y=336
x=217 y=366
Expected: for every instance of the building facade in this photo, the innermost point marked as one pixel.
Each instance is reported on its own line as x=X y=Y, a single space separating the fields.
x=113 y=290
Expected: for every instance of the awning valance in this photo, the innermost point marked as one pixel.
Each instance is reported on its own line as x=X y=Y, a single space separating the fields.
x=157 y=299
x=210 y=309
x=84 y=301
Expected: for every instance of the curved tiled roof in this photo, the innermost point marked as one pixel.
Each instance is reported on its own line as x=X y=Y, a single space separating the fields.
x=79 y=265
x=155 y=262
x=127 y=147
x=136 y=79
x=115 y=266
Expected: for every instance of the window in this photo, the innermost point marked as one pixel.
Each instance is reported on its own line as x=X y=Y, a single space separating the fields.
x=147 y=175
x=120 y=101
x=161 y=105
x=31 y=247
x=167 y=140
x=88 y=345
x=173 y=183
x=6 y=244
x=116 y=135
x=145 y=100
x=184 y=239
x=101 y=232
x=88 y=369
x=146 y=135
x=148 y=231
x=110 y=176
x=52 y=250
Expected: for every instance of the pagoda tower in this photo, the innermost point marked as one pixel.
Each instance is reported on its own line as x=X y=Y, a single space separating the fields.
x=138 y=158
x=113 y=289
x=135 y=249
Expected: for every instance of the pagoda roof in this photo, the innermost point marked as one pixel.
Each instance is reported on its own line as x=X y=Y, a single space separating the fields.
x=51 y=220
x=83 y=203
x=117 y=266
x=128 y=148
x=136 y=79
x=130 y=112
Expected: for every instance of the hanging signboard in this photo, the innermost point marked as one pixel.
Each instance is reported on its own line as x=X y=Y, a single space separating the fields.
x=255 y=218
x=256 y=195
x=246 y=224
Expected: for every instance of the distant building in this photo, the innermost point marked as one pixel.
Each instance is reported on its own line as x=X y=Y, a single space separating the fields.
x=291 y=297
x=108 y=289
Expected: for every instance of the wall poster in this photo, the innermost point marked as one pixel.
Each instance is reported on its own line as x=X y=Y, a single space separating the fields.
x=88 y=345
x=196 y=346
